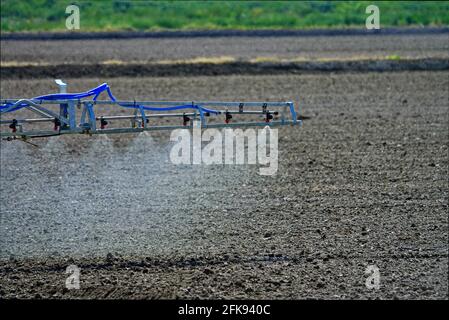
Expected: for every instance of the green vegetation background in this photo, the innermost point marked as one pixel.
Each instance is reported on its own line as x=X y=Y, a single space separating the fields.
x=49 y=15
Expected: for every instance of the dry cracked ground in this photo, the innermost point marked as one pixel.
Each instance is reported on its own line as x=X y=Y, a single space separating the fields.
x=364 y=182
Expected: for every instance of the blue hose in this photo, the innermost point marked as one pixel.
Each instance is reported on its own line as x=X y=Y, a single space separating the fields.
x=96 y=92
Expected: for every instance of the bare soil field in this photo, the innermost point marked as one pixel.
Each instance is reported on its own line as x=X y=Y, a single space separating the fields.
x=239 y=48
x=227 y=55
x=363 y=182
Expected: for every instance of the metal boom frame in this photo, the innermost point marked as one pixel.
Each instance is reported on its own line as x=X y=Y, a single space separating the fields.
x=67 y=121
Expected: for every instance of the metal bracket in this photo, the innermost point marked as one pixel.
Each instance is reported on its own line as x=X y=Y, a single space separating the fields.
x=62 y=86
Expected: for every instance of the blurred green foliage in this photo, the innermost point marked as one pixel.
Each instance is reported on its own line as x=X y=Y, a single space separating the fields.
x=49 y=15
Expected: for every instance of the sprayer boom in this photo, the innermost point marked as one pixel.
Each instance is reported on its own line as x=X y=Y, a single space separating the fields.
x=76 y=113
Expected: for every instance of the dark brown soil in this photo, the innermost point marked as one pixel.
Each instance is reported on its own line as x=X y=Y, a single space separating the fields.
x=211 y=69
x=225 y=55
x=409 y=46
x=180 y=34
x=363 y=182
